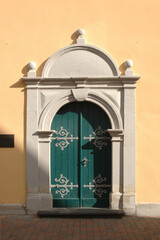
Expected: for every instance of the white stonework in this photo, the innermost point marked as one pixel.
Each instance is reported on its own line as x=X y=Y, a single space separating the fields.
x=116 y=194
x=80 y=72
x=80 y=94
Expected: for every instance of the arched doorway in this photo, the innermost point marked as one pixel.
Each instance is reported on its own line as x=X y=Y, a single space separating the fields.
x=80 y=156
x=81 y=73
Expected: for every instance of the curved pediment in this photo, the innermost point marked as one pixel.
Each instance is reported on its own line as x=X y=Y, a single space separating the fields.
x=80 y=60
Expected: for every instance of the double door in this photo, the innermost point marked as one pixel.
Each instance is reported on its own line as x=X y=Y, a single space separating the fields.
x=80 y=156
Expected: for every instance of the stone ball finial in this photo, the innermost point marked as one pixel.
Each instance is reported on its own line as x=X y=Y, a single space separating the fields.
x=32 y=69
x=32 y=65
x=128 y=63
x=80 y=32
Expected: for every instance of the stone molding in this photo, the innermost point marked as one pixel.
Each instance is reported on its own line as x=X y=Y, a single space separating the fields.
x=116 y=134
x=82 y=82
x=65 y=97
x=44 y=136
x=80 y=94
x=80 y=72
x=76 y=54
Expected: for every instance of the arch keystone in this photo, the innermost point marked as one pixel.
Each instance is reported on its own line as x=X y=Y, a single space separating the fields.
x=80 y=94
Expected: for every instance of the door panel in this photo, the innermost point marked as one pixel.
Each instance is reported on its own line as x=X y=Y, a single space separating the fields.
x=64 y=158
x=80 y=157
x=96 y=175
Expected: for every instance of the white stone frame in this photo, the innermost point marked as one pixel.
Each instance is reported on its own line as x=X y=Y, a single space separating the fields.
x=113 y=93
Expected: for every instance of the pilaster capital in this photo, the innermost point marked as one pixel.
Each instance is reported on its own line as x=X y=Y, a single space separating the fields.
x=44 y=136
x=116 y=134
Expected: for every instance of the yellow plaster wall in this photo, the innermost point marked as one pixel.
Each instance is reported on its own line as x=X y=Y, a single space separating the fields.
x=34 y=29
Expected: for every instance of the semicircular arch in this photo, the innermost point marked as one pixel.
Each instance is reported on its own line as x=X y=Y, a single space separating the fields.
x=79 y=60
x=53 y=106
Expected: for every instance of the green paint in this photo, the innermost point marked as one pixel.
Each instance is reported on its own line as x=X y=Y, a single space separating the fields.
x=80 y=158
x=80 y=120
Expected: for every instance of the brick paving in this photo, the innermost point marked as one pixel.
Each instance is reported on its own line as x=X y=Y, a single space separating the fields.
x=27 y=227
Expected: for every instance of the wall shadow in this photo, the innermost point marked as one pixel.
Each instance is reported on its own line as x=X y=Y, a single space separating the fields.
x=74 y=38
x=21 y=86
x=40 y=68
x=20 y=83
x=19 y=152
x=122 y=69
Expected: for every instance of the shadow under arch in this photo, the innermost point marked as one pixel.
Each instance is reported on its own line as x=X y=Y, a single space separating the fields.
x=55 y=104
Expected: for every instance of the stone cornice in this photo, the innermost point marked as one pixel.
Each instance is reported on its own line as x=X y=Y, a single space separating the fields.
x=82 y=82
x=31 y=82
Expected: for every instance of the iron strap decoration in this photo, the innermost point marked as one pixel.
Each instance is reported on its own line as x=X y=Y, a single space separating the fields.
x=98 y=186
x=63 y=185
x=64 y=138
x=99 y=138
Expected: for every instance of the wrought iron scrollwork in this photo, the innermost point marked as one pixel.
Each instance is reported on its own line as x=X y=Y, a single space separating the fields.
x=63 y=186
x=99 y=138
x=64 y=137
x=98 y=186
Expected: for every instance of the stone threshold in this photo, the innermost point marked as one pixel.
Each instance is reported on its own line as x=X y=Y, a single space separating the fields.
x=81 y=212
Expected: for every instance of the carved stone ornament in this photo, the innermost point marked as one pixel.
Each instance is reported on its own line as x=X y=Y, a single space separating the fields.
x=80 y=94
x=80 y=72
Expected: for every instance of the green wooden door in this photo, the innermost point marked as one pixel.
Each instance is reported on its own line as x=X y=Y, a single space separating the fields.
x=80 y=156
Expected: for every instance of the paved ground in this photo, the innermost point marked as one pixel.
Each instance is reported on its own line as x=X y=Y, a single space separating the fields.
x=23 y=227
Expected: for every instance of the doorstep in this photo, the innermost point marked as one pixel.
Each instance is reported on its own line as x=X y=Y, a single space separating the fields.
x=81 y=212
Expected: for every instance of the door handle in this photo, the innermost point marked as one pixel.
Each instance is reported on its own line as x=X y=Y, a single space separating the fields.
x=84 y=160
